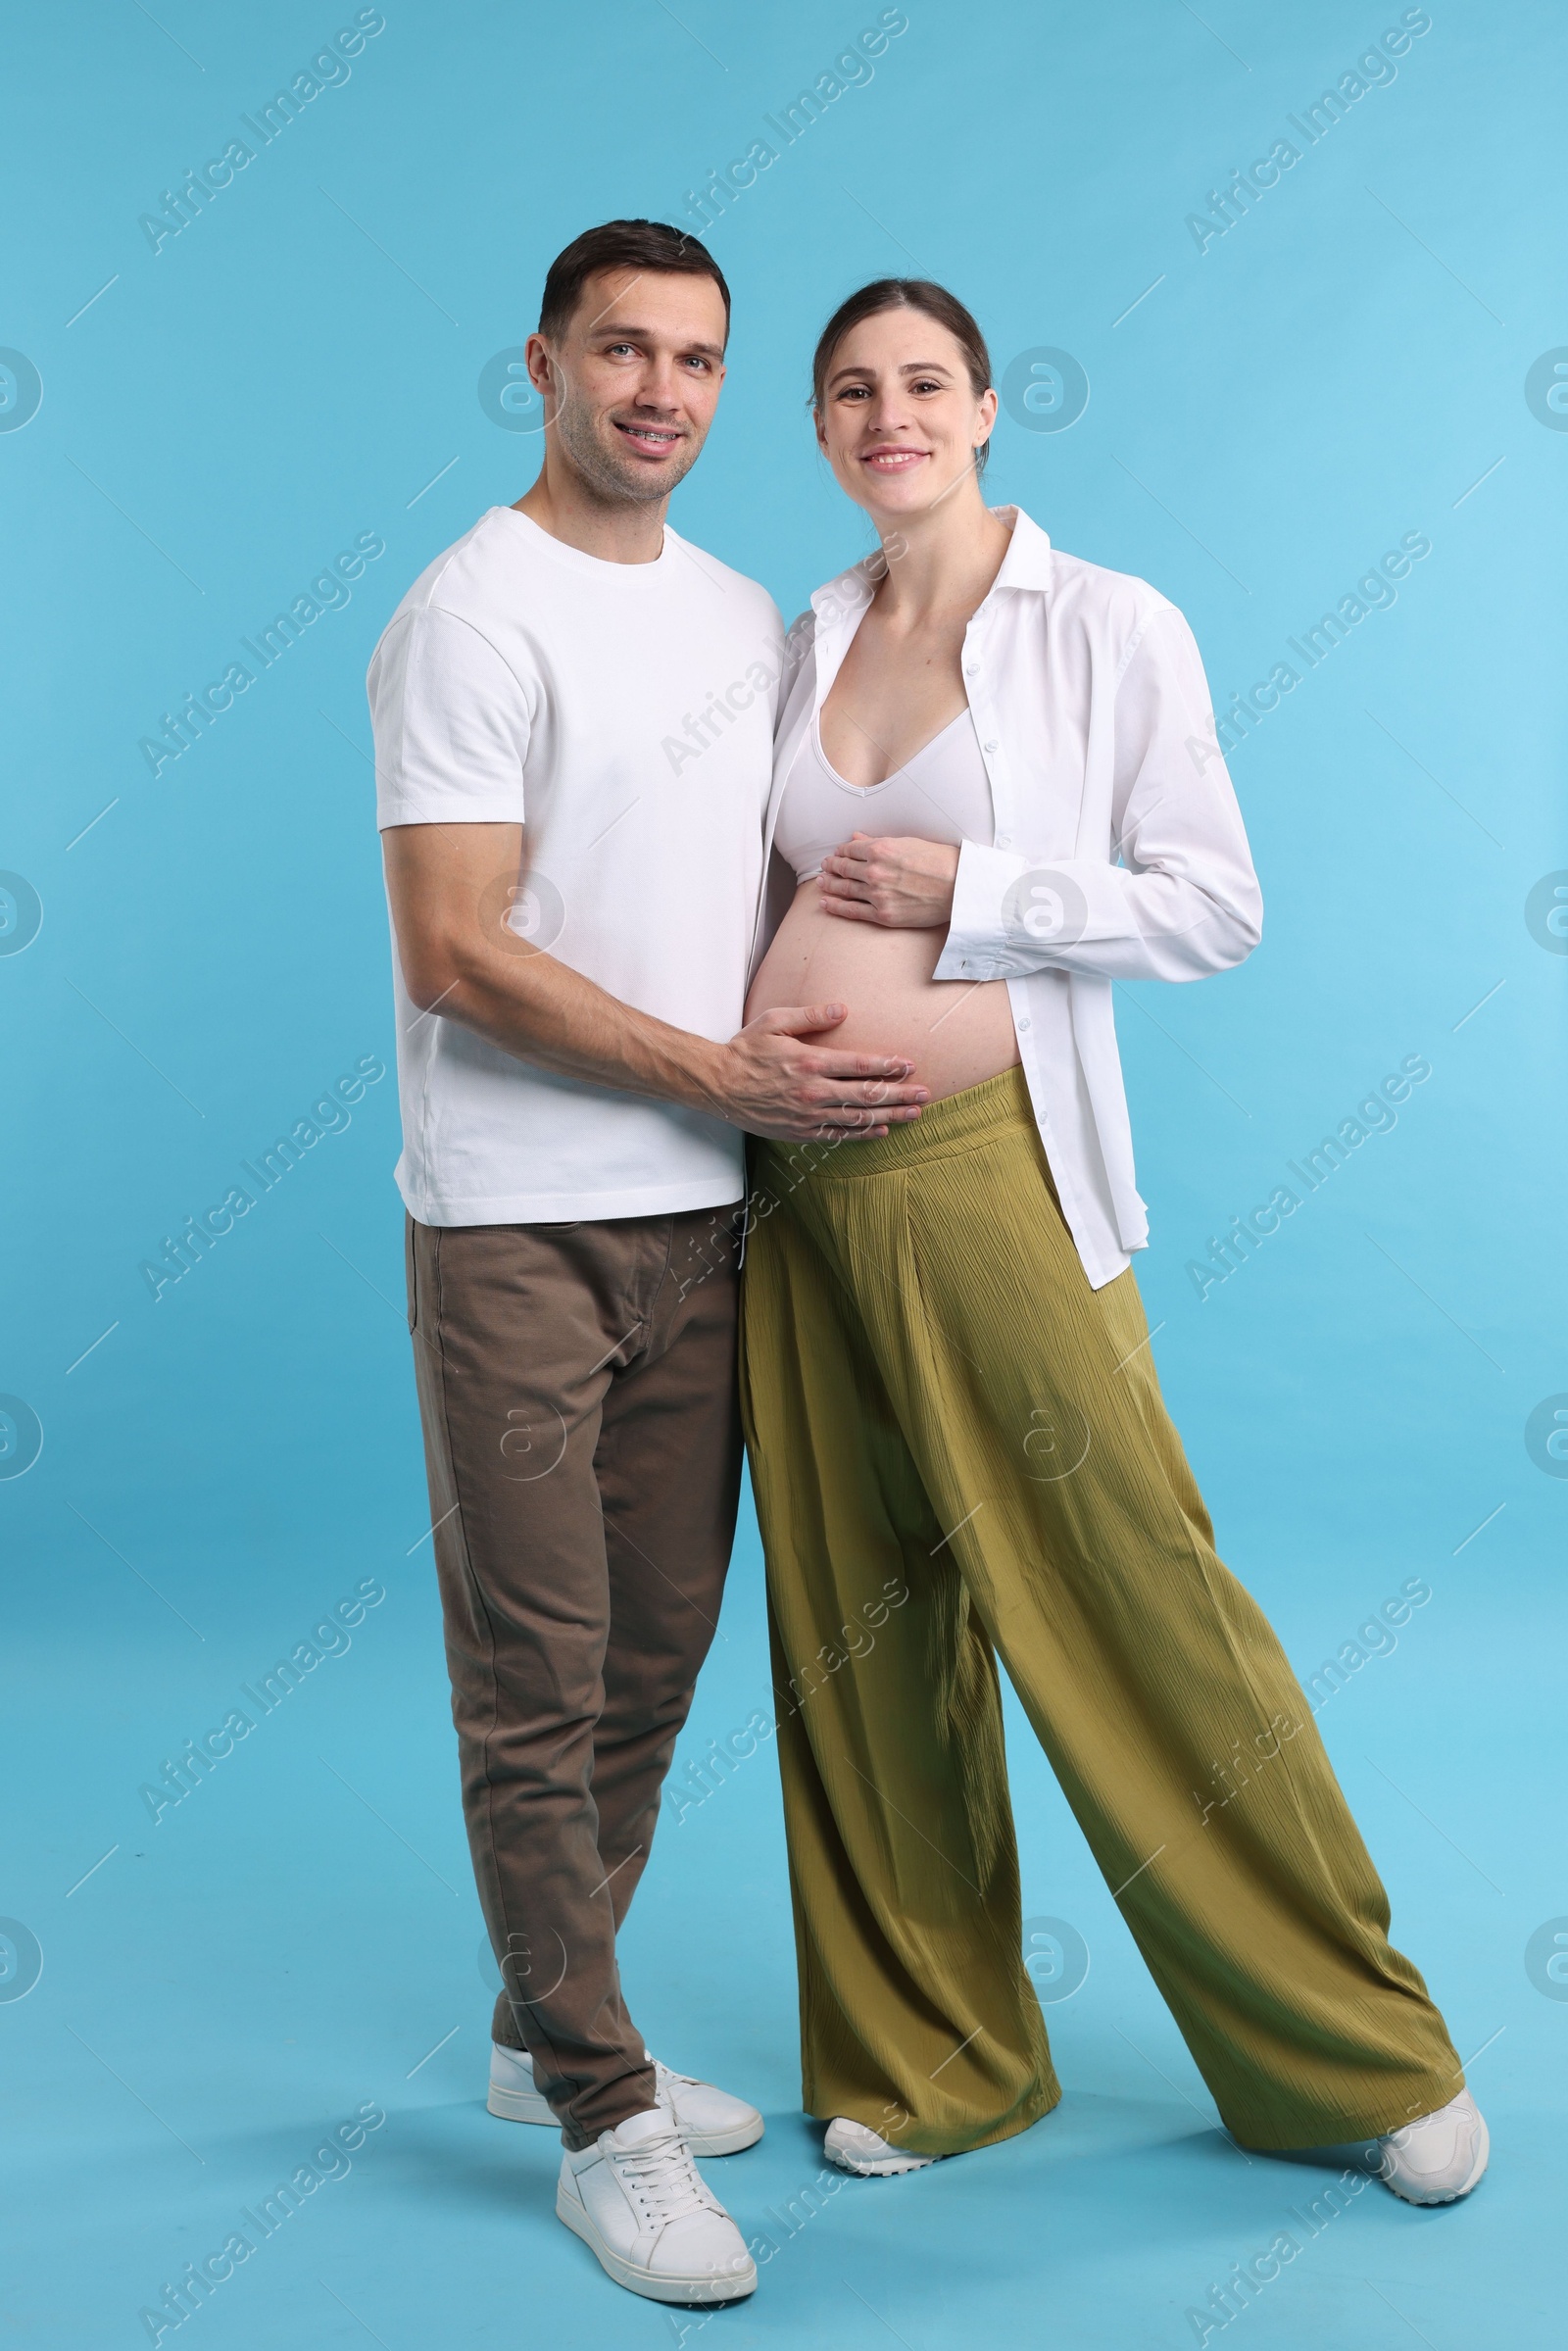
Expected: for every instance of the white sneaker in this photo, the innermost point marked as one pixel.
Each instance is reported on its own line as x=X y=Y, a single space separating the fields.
x=1438 y=2158
x=855 y=2148
x=710 y=2121
x=638 y=2201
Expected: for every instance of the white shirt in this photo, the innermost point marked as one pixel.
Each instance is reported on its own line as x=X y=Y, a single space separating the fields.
x=1093 y=717
x=624 y=712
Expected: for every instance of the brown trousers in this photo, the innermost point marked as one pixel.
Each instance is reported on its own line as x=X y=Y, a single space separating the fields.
x=582 y=1440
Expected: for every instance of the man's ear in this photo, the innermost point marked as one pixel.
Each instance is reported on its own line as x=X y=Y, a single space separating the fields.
x=540 y=364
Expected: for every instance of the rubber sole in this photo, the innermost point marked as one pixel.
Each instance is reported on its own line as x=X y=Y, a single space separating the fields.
x=876 y=2167
x=889 y=2169
x=518 y=2105
x=666 y=2288
x=528 y=2106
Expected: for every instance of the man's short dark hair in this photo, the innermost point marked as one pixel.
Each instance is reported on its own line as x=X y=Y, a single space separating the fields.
x=623 y=245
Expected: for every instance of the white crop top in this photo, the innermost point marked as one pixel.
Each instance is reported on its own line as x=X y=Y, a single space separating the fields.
x=942 y=794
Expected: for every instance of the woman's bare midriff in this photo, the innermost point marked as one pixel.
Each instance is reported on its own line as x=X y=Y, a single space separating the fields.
x=955 y=1034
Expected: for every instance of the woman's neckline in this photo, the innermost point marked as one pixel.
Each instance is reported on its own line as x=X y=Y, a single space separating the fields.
x=864 y=790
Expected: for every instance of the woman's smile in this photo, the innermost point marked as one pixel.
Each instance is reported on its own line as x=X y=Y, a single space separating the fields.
x=891 y=456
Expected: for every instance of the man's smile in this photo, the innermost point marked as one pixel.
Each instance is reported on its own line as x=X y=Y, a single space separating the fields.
x=649 y=440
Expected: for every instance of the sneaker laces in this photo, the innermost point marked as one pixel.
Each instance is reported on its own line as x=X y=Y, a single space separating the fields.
x=663 y=2179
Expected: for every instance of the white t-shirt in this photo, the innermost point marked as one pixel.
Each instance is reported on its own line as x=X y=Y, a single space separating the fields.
x=625 y=714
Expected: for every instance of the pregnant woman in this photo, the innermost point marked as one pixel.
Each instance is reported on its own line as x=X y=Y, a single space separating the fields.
x=998 y=790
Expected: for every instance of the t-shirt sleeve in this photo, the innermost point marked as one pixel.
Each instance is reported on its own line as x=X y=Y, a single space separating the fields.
x=451 y=722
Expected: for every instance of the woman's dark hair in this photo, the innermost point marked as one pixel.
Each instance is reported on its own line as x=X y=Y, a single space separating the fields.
x=905 y=294
x=623 y=245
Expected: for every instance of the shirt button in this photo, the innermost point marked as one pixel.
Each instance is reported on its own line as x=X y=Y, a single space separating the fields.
x=988 y=746
x=971 y=669
x=1003 y=840
x=1022 y=1025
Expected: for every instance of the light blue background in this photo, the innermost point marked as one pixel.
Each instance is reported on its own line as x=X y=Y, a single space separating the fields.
x=1346 y=365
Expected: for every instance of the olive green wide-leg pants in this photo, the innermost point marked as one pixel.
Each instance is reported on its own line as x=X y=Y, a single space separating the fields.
x=960 y=1451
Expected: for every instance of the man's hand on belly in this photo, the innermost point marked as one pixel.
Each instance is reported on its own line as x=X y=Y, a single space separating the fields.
x=904 y=885
x=451 y=889
x=772 y=1081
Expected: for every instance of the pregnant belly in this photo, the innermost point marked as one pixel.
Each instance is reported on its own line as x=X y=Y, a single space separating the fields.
x=955 y=1032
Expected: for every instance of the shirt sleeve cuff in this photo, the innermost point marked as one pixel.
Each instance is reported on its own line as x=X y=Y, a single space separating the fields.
x=977 y=945
x=448 y=808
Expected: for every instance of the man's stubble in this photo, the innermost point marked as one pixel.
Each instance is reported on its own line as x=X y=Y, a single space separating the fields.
x=607 y=483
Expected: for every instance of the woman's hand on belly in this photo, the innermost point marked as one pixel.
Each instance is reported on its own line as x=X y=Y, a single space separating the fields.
x=904 y=885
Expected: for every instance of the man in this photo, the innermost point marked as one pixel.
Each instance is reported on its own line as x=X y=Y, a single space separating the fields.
x=573 y=722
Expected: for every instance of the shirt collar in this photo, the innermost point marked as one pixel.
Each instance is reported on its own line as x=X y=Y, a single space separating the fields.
x=1028 y=560
x=1027 y=563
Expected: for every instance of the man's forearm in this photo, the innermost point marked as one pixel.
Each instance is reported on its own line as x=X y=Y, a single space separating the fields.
x=461 y=961
x=544 y=1012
